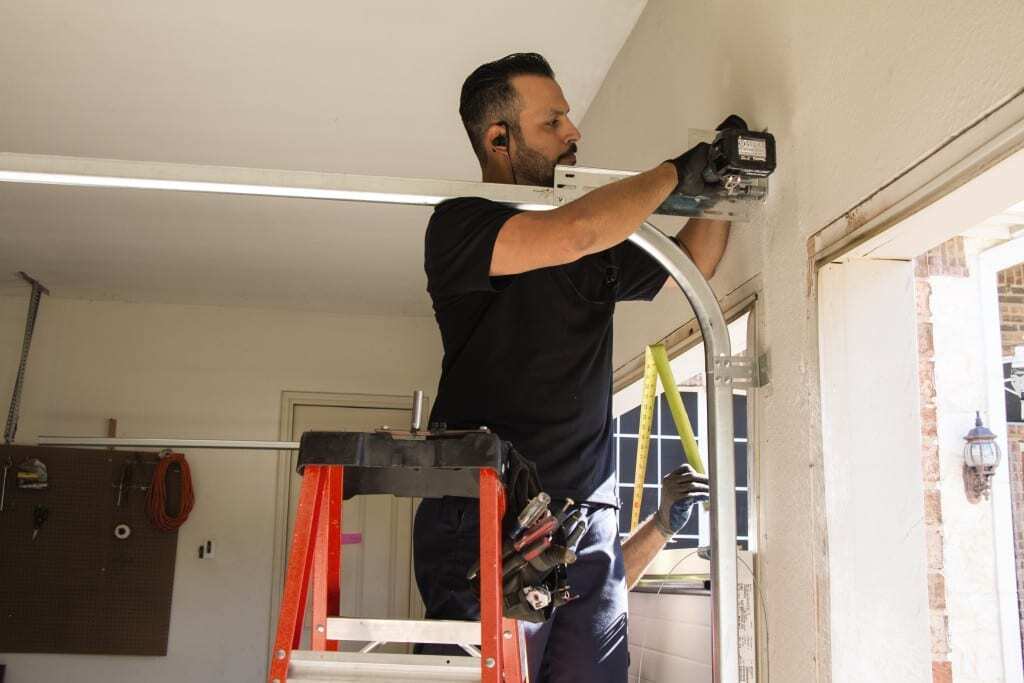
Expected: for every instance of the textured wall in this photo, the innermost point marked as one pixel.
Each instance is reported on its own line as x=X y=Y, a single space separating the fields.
x=200 y=372
x=855 y=94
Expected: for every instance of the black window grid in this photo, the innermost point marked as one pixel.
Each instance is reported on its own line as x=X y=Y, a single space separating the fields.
x=665 y=453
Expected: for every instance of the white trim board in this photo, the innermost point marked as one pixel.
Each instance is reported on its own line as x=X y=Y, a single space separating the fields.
x=962 y=172
x=990 y=263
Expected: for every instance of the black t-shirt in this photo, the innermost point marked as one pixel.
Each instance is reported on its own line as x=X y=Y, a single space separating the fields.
x=529 y=355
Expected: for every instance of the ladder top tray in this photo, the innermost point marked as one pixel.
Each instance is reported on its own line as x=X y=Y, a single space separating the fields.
x=428 y=466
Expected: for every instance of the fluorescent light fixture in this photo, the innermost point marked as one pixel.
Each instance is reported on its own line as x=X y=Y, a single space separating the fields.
x=217 y=188
x=299 y=192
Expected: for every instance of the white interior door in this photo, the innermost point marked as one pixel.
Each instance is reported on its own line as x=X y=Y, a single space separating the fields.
x=377 y=570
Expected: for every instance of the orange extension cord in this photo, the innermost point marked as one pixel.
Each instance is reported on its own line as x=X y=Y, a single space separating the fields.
x=156 y=499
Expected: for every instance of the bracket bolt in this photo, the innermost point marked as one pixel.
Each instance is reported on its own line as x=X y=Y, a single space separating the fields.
x=489 y=663
x=320 y=628
x=280 y=654
x=507 y=635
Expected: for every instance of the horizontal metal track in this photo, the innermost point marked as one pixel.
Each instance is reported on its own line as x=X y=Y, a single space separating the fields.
x=148 y=175
x=571 y=182
x=127 y=442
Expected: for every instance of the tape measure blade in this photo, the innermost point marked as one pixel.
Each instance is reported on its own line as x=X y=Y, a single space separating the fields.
x=644 y=435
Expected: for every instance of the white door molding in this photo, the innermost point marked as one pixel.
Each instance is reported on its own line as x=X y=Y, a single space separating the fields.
x=990 y=262
x=286 y=461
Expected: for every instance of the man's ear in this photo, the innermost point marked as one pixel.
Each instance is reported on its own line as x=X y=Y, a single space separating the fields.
x=496 y=137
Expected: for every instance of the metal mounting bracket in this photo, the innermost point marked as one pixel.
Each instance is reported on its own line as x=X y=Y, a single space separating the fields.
x=740 y=372
x=572 y=182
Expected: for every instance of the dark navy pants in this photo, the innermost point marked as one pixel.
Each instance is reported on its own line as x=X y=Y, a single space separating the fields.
x=584 y=640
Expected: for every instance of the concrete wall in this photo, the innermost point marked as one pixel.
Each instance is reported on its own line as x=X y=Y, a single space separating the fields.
x=195 y=372
x=855 y=94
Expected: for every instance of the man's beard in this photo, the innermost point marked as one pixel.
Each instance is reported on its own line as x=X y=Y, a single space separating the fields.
x=533 y=168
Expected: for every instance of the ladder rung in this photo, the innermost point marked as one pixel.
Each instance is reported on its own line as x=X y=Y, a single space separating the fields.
x=349 y=667
x=404 y=630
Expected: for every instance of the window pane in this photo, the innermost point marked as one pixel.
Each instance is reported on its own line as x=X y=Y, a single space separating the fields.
x=739 y=416
x=647 y=508
x=672 y=455
x=627 y=459
x=668 y=425
x=651 y=475
x=629 y=423
x=741 y=513
x=740 y=450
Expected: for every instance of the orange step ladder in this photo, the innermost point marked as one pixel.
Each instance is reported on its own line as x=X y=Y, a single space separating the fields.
x=316 y=553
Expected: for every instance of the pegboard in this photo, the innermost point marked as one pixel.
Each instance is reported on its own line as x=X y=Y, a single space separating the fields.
x=77 y=588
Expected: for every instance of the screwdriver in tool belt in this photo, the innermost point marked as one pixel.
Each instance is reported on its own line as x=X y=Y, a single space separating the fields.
x=39 y=515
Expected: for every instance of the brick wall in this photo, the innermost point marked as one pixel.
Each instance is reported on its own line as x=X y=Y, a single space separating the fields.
x=949 y=258
x=942 y=668
x=1011 y=314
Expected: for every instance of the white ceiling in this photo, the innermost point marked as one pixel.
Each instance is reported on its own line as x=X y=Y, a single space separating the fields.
x=357 y=87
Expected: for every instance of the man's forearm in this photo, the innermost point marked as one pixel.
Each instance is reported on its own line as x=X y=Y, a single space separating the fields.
x=705 y=239
x=608 y=215
x=640 y=549
x=596 y=221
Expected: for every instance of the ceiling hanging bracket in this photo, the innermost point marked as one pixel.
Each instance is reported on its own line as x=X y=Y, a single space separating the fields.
x=38 y=290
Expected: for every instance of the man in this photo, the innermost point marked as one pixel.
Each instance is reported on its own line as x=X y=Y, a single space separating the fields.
x=524 y=302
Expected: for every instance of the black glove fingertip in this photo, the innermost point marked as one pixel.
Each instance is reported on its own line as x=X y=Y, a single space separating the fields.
x=733 y=122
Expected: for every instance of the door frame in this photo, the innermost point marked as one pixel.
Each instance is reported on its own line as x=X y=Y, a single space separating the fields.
x=286 y=461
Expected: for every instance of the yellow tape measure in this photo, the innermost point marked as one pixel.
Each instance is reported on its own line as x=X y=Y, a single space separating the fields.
x=656 y=365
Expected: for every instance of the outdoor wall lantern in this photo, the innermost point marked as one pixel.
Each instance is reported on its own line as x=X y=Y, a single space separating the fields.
x=981 y=457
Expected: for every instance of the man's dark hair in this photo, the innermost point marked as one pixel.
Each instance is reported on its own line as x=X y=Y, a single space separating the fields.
x=488 y=95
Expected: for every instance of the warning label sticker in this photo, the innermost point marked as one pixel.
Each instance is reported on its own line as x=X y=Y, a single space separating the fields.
x=752 y=148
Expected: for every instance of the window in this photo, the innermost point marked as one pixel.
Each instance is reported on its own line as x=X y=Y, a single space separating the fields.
x=666 y=450
x=666 y=454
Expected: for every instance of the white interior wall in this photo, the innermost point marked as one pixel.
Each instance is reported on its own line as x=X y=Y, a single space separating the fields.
x=855 y=94
x=192 y=372
x=669 y=638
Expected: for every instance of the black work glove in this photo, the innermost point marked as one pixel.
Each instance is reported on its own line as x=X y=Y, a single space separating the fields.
x=680 y=491
x=690 y=167
x=691 y=164
x=732 y=121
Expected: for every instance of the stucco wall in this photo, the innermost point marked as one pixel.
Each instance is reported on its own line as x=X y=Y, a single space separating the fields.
x=855 y=94
x=969 y=553
x=200 y=372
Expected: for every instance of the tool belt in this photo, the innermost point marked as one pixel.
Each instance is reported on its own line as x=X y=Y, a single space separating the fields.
x=537 y=541
x=537 y=547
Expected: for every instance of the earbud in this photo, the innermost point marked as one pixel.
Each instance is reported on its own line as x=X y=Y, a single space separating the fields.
x=501 y=140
